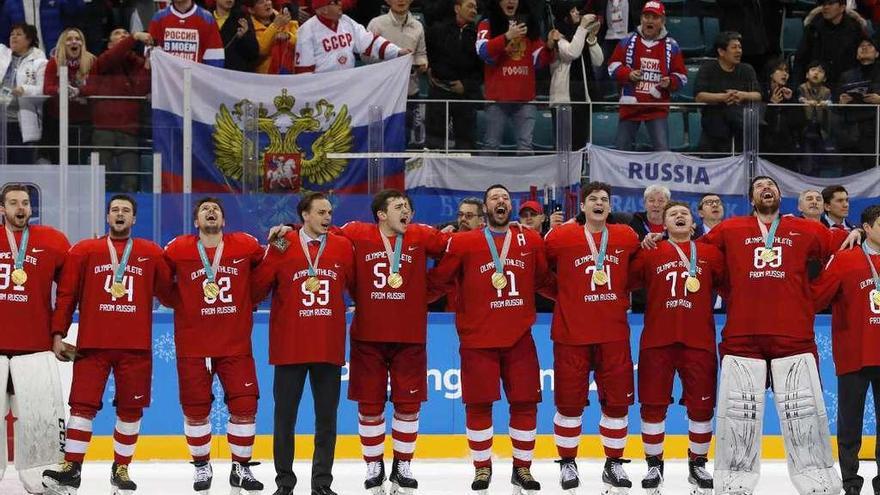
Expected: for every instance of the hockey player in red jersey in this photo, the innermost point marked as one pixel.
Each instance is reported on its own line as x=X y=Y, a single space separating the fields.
x=112 y=280
x=499 y=268
x=590 y=332
x=213 y=319
x=681 y=277
x=187 y=31
x=31 y=257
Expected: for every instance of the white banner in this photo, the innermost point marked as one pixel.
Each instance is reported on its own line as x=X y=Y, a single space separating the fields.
x=861 y=185
x=678 y=172
x=476 y=173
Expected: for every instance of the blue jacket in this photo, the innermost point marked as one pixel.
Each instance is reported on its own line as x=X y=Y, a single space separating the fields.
x=55 y=16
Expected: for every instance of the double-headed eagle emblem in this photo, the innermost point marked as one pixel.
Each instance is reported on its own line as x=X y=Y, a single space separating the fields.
x=283 y=129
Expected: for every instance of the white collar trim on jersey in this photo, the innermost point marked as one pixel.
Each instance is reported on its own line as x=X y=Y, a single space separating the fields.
x=870 y=250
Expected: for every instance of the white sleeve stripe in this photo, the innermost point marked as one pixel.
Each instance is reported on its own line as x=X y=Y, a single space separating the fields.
x=214 y=54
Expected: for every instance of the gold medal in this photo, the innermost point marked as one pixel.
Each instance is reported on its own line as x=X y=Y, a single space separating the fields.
x=499 y=281
x=395 y=280
x=313 y=284
x=212 y=290
x=692 y=284
x=875 y=297
x=600 y=277
x=768 y=255
x=117 y=290
x=19 y=277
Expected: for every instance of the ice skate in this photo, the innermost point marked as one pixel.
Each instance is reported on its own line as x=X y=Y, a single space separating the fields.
x=120 y=481
x=64 y=481
x=653 y=480
x=202 y=477
x=402 y=481
x=482 y=478
x=523 y=482
x=569 y=479
x=375 y=482
x=241 y=479
x=699 y=479
x=614 y=477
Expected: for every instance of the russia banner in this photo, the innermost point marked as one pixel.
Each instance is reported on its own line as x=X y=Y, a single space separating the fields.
x=301 y=119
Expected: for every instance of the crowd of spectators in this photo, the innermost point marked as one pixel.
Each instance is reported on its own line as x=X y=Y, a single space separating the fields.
x=509 y=52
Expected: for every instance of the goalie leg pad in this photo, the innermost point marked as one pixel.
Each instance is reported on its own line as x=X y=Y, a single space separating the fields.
x=4 y=397
x=39 y=429
x=739 y=422
x=804 y=424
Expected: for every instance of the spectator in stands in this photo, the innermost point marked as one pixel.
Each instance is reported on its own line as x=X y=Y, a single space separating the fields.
x=648 y=66
x=400 y=27
x=239 y=39
x=836 y=204
x=724 y=85
x=49 y=17
x=782 y=126
x=321 y=31
x=22 y=66
x=619 y=18
x=456 y=73
x=710 y=208
x=70 y=52
x=183 y=19
x=307 y=8
x=816 y=97
x=119 y=71
x=810 y=204
x=531 y=214
x=651 y=220
x=276 y=36
x=831 y=36
x=509 y=43
x=572 y=77
x=855 y=128
x=750 y=19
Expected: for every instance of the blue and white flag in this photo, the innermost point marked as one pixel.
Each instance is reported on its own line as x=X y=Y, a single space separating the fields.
x=302 y=119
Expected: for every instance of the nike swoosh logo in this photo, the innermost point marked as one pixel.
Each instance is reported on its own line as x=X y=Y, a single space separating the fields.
x=794 y=233
x=412 y=248
x=629 y=394
x=413 y=391
x=525 y=254
x=138 y=397
x=248 y=384
x=235 y=262
x=705 y=398
x=335 y=265
x=38 y=250
x=618 y=251
x=141 y=260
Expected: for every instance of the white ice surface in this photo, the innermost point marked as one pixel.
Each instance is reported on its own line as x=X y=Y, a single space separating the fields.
x=435 y=478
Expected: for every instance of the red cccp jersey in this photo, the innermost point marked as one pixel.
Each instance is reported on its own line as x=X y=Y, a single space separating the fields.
x=306 y=327
x=487 y=317
x=674 y=315
x=26 y=310
x=855 y=320
x=382 y=313
x=106 y=322
x=219 y=326
x=771 y=298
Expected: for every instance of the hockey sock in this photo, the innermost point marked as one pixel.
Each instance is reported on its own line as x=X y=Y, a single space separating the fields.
x=479 y=433
x=371 y=428
x=240 y=433
x=699 y=433
x=79 y=434
x=125 y=438
x=198 y=438
x=405 y=430
x=612 y=429
x=567 y=431
x=653 y=429
x=523 y=419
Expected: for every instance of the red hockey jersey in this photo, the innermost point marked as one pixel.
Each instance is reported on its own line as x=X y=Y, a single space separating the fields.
x=190 y=35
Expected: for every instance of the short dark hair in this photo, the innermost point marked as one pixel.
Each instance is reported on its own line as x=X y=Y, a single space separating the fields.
x=704 y=196
x=870 y=214
x=756 y=179
x=724 y=38
x=670 y=204
x=8 y=188
x=381 y=199
x=829 y=192
x=472 y=200
x=816 y=64
x=207 y=199
x=305 y=203
x=123 y=197
x=593 y=187
x=29 y=31
x=494 y=186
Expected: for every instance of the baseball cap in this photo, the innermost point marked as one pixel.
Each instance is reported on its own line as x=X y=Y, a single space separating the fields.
x=531 y=205
x=654 y=7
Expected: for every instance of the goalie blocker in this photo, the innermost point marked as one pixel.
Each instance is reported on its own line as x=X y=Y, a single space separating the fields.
x=803 y=421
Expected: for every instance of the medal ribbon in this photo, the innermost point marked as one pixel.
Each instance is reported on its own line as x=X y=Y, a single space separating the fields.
x=692 y=264
x=305 y=248
x=210 y=268
x=118 y=266
x=16 y=250
x=598 y=257
x=770 y=235
x=499 y=260
x=873 y=268
x=393 y=256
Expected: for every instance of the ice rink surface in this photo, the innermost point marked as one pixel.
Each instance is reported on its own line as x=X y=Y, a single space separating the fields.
x=435 y=478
